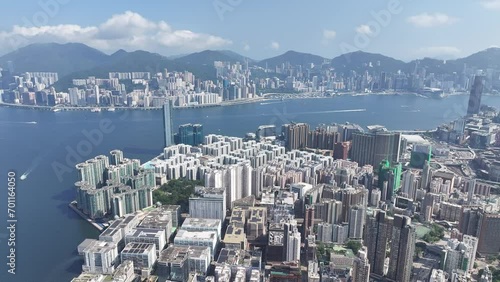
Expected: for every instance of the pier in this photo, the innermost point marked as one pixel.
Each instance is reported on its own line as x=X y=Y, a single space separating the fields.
x=99 y=227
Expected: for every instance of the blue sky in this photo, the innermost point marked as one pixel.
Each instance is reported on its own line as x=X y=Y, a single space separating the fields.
x=259 y=28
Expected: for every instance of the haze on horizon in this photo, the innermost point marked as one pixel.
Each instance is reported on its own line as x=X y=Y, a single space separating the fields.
x=258 y=29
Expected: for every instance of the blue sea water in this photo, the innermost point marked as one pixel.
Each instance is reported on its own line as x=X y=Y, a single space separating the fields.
x=41 y=144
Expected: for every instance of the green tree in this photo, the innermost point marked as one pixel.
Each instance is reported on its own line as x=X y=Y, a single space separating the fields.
x=355 y=246
x=176 y=192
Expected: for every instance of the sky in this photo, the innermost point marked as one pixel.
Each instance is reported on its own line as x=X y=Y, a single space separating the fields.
x=403 y=29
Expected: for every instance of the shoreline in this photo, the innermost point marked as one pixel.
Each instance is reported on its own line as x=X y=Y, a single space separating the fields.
x=85 y=217
x=62 y=108
x=265 y=97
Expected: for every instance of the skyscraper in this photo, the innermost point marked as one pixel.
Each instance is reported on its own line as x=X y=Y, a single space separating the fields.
x=390 y=173
x=374 y=147
x=361 y=267
x=190 y=134
x=377 y=235
x=402 y=249
x=356 y=222
x=488 y=234
x=476 y=93
x=296 y=135
x=168 y=123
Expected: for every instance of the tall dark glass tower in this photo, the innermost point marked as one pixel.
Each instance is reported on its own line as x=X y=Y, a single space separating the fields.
x=402 y=249
x=190 y=134
x=168 y=123
x=475 y=96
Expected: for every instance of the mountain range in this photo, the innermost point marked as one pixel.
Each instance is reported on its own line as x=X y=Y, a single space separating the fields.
x=76 y=60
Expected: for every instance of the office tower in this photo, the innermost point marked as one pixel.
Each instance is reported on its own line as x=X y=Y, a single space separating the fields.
x=190 y=134
x=356 y=222
x=374 y=147
x=402 y=249
x=361 y=269
x=296 y=135
x=420 y=154
x=488 y=234
x=377 y=234
x=475 y=96
x=168 y=123
x=392 y=174
x=97 y=95
x=208 y=203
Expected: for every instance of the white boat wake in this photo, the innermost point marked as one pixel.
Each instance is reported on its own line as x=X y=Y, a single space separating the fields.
x=18 y=122
x=335 y=111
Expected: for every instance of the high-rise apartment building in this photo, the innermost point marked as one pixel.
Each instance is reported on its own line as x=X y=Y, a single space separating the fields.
x=356 y=222
x=296 y=135
x=361 y=269
x=378 y=232
x=402 y=249
x=374 y=147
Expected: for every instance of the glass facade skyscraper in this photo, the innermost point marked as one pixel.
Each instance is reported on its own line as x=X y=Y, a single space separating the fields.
x=190 y=134
x=168 y=123
x=476 y=93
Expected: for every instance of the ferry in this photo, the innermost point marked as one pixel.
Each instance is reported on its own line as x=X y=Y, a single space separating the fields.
x=96 y=110
x=56 y=110
x=112 y=109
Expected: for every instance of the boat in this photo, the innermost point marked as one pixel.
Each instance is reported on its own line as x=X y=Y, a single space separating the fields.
x=31 y=122
x=95 y=110
x=56 y=110
x=112 y=109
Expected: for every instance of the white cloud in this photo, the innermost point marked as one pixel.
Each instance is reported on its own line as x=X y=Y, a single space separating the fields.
x=329 y=34
x=491 y=4
x=431 y=20
x=364 y=29
x=275 y=45
x=246 y=47
x=442 y=52
x=128 y=30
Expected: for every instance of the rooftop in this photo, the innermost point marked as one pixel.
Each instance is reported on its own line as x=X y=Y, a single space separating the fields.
x=200 y=235
x=138 y=248
x=192 y=222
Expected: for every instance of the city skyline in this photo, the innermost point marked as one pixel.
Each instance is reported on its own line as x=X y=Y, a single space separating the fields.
x=174 y=29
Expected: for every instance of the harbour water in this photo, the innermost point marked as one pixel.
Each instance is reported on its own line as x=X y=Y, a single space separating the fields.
x=44 y=146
